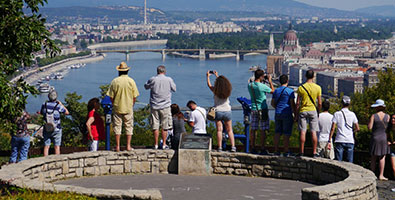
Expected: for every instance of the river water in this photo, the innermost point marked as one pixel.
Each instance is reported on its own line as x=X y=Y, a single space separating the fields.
x=188 y=74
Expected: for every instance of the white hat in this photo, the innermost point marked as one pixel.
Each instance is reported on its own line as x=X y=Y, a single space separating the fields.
x=378 y=103
x=346 y=100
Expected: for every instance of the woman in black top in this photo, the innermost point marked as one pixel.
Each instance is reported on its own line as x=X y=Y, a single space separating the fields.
x=178 y=125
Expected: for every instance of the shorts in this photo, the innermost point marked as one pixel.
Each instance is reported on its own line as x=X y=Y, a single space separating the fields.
x=310 y=117
x=325 y=152
x=126 y=119
x=161 y=118
x=55 y=137
x=223 y=115
x=258 y=124
x=392 y=154
x=284 y=124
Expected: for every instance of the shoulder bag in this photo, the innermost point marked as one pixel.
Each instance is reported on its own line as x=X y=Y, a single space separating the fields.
x=311 y=99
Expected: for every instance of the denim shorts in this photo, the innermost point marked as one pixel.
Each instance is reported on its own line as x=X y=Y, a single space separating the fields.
x=392 y=154
x=55 y=137
x=284 y=124
x=223 y=115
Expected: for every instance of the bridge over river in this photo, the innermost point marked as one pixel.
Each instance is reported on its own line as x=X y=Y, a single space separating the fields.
x=202 y=54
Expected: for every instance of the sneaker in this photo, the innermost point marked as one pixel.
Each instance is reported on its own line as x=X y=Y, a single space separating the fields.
x=165 y=147
x=219 y=149
x=316 y=155
x=287 y=154
x=265 y=152
x=233 y=149
x=156 y=147
x=299 y=155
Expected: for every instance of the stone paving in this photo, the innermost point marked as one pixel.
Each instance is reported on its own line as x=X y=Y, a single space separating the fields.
x=174 y=187
x=384 y=190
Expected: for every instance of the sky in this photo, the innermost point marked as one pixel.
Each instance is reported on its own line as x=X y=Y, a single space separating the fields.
x=348 y=4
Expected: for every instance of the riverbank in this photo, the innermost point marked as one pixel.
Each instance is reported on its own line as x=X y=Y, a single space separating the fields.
x=128 y=43
x=34 y=75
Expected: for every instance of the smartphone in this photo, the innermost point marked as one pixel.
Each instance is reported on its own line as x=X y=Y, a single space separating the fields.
x=211 y=72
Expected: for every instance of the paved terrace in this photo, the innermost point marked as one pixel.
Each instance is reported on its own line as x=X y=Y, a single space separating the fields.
x=332 y=179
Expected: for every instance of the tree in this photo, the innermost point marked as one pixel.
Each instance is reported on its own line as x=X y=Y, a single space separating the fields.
x=21 y=34
x=384 y=90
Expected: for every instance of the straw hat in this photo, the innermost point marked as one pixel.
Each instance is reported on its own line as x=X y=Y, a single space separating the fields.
x=379 y=103
x=123 y=67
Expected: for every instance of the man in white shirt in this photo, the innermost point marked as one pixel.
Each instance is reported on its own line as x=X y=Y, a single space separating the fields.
x=197 y=118
x=325 y=124
x=347 y=123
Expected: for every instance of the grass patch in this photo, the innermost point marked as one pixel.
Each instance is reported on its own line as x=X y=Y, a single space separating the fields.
x=11 y=193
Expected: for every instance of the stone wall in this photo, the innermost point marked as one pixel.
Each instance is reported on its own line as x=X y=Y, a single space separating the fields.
x=336 y=180
x=39 y=173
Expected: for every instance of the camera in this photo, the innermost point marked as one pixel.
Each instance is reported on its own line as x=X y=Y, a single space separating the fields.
x=211 y=72
x=266 y=77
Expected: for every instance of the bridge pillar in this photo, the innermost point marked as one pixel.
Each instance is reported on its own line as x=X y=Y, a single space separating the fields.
x=237 y=55
x=163 y=54
x=127 y=56
x=202 y=54
x=93 y=52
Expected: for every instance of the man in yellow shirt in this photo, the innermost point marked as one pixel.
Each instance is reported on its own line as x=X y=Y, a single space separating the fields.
x=309 y=94
x=123 y=93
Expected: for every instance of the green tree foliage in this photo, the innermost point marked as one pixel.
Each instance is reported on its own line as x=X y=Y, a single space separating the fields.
x=46 y=61
x=384 y=90
x=20 y=36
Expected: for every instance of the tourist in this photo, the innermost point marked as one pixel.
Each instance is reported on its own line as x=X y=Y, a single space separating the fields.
x=52 y=129
x=283 y=101
x=123 y=93
x=223 y=115
x=178 y=125
x=20 y=141
x=309 y=95
x=259 y=114
x=378 y=143
x=347 y=123
x=325 y=124
x=197 y=118
x=391 y=142
x=94 y=124
x=161 y=87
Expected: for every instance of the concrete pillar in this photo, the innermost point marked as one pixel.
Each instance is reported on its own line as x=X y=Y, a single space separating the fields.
x=163 y=54
x=237 y=55
x=127 y=56
x=202 y=54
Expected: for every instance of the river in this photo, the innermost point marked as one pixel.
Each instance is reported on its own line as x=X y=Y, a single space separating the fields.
x=188 y=74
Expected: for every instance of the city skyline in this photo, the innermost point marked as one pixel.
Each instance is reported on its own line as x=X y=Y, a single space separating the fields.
x=348 y=5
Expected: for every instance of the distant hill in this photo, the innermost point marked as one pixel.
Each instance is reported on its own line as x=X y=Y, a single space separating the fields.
x=285 y=7
x=386 y=11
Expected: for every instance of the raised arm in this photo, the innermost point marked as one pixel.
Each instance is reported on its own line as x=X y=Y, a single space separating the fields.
x=209 y=82
x=269 y=77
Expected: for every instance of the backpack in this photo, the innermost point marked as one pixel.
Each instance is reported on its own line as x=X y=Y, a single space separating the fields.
x=49 y=126
x=84 y=131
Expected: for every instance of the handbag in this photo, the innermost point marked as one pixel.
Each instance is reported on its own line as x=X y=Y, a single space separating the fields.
x=211 y=113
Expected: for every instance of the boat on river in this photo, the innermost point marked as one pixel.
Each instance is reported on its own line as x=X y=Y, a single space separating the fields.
x=44 y=87
x=58 y=76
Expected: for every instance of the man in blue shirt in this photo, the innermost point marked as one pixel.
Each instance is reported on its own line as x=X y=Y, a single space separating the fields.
x=53 y=108
x=259 y=111
x=284 y=102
